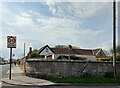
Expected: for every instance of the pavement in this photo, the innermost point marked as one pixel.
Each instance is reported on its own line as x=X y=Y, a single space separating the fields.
x=18 y=78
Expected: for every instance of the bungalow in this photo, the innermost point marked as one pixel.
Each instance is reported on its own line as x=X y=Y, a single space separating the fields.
x=47 y=52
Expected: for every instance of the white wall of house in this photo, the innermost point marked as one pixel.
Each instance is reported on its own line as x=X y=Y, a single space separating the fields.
x=46 y=51
x=53 y=56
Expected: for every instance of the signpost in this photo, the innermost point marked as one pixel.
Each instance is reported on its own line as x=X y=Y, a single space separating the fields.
x=11 y=43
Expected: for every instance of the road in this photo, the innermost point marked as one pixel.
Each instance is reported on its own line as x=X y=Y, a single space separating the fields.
x=5 y=68
x=3 y=71
x=76 y=86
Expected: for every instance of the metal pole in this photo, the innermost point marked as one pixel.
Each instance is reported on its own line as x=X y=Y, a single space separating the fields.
x=24 y=60
x=24 y=49
x=10 y=63
x=114 y=37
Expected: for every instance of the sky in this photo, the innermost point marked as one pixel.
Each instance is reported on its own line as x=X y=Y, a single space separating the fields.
x=118 y=22
x=87 y=25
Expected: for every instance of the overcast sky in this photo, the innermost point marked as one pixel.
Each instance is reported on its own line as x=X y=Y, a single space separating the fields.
x=82 y=24
x=118 y=23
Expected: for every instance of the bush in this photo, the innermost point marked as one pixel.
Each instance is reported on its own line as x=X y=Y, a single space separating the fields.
x=63 y=57
x=117 y=58
x=72 y=57
x=103 y=59
x=35 y=55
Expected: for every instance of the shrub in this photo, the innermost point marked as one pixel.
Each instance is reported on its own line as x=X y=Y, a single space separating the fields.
x=72 y=57
x=62 y=57
x=35 y=55
x=117 y=58
x=103 y=59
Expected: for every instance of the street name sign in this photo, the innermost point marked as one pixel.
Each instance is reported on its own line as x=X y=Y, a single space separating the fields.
x=11 y=41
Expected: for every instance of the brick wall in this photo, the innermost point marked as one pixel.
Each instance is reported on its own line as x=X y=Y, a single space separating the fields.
x=70 y=68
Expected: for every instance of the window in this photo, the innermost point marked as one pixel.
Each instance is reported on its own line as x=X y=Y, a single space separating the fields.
x=46 y=49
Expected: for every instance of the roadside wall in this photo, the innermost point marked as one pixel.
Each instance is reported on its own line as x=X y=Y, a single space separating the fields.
x=70 y=68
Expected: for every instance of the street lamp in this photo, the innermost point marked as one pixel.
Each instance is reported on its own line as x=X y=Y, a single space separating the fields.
x=114 y=37
x=24 y=60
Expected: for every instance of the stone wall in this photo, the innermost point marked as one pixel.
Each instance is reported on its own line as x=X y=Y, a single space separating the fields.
x=70 y=68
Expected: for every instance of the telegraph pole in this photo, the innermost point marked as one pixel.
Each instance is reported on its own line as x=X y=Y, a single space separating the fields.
x=114 y=38
x=24 y=60
x=24 y=49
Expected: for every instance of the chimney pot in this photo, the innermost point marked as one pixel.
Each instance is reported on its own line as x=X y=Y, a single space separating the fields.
x=70 y=46
x=30 y=50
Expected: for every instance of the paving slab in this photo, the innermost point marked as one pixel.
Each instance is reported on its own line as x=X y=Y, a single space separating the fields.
x=18 y=78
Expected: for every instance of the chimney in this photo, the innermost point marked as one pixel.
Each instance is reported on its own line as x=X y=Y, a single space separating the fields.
x=70 y=46
x=30 y=50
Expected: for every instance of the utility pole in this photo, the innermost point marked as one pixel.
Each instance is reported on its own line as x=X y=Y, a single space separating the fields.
x=114 y=38
x=24 y=49
x=24 y=60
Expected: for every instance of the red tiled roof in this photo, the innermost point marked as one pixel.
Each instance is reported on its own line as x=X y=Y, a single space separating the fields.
x=72 y=51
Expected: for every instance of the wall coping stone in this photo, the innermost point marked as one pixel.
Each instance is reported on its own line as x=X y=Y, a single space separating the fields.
x=72 y=61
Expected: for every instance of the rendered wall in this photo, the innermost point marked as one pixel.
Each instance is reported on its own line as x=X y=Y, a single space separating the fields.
x=70 y=68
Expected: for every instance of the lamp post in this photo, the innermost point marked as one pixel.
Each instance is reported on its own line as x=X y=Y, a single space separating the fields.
x=24 y=60
x=114 y=38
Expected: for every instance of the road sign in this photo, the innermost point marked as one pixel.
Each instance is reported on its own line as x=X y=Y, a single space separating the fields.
x=11 y=41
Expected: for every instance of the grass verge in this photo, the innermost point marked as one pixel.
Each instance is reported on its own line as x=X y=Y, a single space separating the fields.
x=84 y=80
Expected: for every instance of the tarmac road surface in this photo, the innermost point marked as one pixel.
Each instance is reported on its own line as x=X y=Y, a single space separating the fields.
x=63 y=86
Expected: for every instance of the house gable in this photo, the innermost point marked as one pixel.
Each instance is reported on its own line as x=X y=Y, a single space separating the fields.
x=101 y=54
x=95 y=51
x=45 y=50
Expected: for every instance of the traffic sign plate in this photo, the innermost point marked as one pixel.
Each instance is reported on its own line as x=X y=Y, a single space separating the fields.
x=11 y=41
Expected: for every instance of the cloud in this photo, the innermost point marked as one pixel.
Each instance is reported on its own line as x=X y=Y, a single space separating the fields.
x=86 y=38
x=57 y=1
x=58 y=22
x=22 y=22
x=107 y=45
x=63 y=27
x=77 y=10
x=1 y=9
x=89 y=32
x=59 y=30
x=25 y=14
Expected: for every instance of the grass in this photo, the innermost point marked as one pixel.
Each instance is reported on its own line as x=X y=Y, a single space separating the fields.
x=84 y=80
